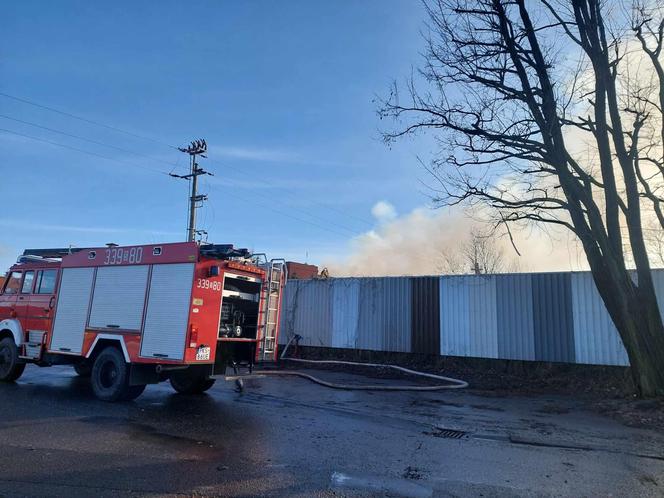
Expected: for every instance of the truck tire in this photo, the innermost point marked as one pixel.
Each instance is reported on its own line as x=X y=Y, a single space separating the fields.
x=186 y=383
x=83 y=369
x=110 y=375
x=11 y=367
x=207 y=384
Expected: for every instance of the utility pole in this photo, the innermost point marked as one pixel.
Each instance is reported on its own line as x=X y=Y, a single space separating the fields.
x=195 y=148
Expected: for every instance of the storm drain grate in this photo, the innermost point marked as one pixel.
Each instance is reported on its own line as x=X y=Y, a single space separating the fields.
x=446 y=433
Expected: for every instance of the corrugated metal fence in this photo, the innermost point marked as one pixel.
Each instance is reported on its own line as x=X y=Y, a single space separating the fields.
x=539 y=316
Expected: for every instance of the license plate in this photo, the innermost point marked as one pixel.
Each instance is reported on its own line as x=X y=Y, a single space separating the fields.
x=203 y=353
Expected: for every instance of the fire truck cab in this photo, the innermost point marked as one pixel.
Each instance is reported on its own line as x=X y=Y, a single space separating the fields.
x=131 y=316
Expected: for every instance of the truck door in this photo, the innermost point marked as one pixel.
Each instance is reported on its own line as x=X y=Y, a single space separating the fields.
x=9 y=297
x=42 y=301
x=23 y=298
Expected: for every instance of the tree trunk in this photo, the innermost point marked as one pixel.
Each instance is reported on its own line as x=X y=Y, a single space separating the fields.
x=646 y=354
x=636 y=315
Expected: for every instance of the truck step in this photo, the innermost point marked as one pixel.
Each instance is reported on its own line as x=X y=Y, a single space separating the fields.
x=33 y=347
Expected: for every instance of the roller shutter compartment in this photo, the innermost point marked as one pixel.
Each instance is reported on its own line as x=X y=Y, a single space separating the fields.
x=72 y=309
x=165 y=328
x=119 y=297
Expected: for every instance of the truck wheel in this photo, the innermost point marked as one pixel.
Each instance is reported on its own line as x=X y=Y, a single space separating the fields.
x=207 y=384
x=186 y=383
x=11 y=368
x=83 y=369
x=110 y=375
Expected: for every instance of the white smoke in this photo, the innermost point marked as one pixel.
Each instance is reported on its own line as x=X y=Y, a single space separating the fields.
x=415 y=244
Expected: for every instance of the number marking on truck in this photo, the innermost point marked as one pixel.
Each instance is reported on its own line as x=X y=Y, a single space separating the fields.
x=119 y=255
x=204 y=283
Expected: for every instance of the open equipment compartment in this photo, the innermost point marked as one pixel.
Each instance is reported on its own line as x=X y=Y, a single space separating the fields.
x=240 y=306
x=238 y=322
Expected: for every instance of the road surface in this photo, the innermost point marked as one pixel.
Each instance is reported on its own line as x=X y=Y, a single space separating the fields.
x=289 y=437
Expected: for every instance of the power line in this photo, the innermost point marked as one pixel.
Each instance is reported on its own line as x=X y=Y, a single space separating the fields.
x=37 y=139
x=78 y=137
x=268 y=183
x=65 y=146
x=324 y=220
x=264 y=182
x=86 y=120
x=143 y=137
x=283 y=213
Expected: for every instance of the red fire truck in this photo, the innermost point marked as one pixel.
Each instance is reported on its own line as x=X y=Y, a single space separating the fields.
x=131 y=316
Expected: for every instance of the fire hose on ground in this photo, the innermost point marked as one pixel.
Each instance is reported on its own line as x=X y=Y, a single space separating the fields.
x=450 y=383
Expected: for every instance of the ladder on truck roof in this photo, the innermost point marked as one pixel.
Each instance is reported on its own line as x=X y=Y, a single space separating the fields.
x=276 y=278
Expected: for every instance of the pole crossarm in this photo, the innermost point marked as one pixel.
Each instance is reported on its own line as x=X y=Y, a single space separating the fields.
x=195 y=148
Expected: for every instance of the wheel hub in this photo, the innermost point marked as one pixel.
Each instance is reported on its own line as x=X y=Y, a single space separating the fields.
x=109 y=374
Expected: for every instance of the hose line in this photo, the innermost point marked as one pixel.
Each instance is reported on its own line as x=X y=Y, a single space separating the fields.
x=451 y=383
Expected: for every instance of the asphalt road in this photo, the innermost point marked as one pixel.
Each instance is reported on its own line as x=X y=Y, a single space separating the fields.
x=289 y=437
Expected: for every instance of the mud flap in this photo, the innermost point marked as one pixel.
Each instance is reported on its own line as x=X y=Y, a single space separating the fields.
x=143 y=374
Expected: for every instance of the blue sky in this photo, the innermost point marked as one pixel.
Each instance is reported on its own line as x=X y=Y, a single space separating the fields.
x=282 y=91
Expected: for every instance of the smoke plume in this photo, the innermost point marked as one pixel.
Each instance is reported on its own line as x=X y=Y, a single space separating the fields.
x=416 y=244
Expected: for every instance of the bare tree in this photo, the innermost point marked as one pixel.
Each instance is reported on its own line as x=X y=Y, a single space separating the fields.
x=479 y=254
x=655 y=241
x=542 y=116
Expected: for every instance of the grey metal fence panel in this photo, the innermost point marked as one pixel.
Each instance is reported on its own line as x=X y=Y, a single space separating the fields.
x=658 y=278
x=384 y=314
x=454 y=316
x=468 y=316
x=552 y=317
x=483 y=323
x=306 y=311
x=425 y=315
x=286 y=316
x=345 y=312
x=514 y=315
x=596 y=339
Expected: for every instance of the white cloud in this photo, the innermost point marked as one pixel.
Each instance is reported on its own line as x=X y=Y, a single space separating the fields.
x=255 y=154
x=269 y=183
x=263 y=154
x=383 y=211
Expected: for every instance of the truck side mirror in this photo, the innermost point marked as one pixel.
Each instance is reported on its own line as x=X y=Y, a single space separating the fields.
x=214 y=271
